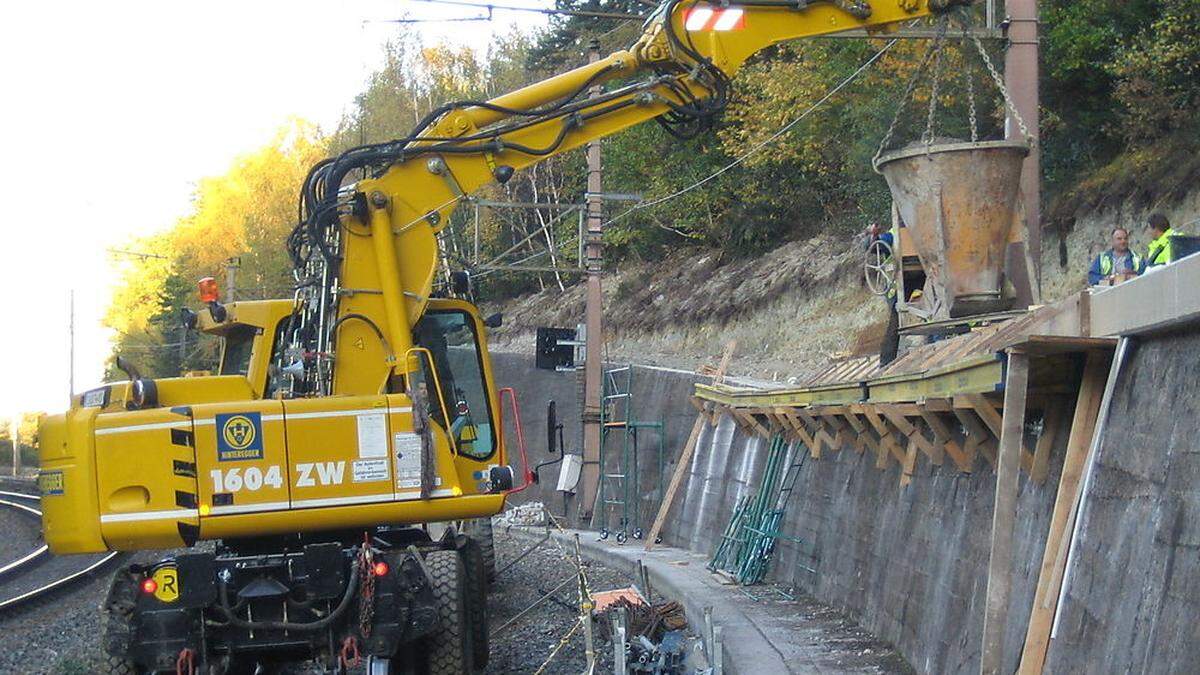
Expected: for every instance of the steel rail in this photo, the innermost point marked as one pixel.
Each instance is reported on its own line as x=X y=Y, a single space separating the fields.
x=35 y=553
x=44 y=589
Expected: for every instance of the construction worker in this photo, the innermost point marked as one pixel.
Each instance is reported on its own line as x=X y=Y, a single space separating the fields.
x=1160 y=252
x=1118 y=263
x=891 y=339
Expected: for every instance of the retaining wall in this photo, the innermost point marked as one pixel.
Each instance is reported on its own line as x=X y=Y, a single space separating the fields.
x=1131 y=603
x=911 y=563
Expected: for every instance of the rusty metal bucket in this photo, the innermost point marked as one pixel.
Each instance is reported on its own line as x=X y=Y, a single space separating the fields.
x=958 y=201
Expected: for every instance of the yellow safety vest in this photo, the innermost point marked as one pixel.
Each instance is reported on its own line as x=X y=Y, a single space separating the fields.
x=1159 y=252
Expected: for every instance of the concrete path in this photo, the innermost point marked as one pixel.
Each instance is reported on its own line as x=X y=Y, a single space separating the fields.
x=763 y=634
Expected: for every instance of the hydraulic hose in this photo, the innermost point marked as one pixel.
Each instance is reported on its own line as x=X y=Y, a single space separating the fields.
x=311 y=627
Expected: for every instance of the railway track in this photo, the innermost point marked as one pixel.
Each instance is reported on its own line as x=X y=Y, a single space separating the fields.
x=21 y=583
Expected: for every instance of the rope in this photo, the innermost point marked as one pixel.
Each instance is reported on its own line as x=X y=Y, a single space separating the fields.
x=561 y=643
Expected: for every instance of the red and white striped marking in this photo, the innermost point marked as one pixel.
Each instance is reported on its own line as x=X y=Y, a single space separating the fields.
x=708 y=18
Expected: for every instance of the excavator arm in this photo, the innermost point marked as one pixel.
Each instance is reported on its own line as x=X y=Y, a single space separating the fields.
x=370 y=246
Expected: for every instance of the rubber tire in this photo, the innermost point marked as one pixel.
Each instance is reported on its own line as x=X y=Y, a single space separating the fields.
x=449 y=650
x=480 y=529
x=477 y=592
x=122 y=592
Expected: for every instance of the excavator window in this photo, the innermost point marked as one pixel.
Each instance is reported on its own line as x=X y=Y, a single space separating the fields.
x=450 y=337
x=235 y=356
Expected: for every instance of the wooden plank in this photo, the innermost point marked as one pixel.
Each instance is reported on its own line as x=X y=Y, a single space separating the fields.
x=1008 y=472
x=1045 y=600
x=685 y=457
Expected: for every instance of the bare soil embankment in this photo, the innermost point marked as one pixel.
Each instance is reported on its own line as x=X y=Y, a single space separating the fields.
x=789 y=309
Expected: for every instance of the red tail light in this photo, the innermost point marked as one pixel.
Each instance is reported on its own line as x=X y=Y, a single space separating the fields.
x=380 y=568
x=149 y=586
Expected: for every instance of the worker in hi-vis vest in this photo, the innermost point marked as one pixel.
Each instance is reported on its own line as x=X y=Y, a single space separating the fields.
x=1119 y=263
x=891 y=339
x=1160 y=252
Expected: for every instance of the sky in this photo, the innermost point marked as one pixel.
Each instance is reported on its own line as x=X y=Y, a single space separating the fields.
x=112 y=112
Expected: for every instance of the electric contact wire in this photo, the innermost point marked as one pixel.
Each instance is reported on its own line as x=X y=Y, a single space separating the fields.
x=762 y=144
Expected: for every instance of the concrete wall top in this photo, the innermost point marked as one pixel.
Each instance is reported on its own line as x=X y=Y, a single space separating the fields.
x=1164 y=298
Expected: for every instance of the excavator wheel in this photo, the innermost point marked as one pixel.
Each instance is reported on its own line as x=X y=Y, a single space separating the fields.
x=449 y=649
x=116 y=624
x=477 y=593
x=480 y=529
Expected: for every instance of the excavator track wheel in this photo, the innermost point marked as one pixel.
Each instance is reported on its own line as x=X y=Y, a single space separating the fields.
x=448 y=650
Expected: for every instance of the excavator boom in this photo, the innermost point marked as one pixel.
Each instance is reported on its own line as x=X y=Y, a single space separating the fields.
x=385 y=226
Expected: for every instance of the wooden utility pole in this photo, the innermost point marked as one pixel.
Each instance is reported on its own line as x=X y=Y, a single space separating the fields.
x=15 y=432
x=593 y=319
x=1004 y=512
x=1021 y=79
x=231 y=268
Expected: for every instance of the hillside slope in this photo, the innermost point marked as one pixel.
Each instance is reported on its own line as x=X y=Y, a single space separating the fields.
x=791 y=310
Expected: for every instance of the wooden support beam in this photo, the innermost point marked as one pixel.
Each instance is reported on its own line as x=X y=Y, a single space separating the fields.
x=753 y=423
x=1008 y=472
x=789 y=414
x=963 y=461
x=1066 y=504
x=978 y=437
x=1051 y=421
x=987 y=412
x=685 y=457
x=887 y=441
x=912 y=432
x=819 y=433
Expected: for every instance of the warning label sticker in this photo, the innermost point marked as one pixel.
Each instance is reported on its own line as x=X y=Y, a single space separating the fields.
x=372 y=435
x=408 y=460
x=370 y=470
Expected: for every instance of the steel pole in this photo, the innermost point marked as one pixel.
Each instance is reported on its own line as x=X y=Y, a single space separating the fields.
x=593 y=318
x=1021 y=78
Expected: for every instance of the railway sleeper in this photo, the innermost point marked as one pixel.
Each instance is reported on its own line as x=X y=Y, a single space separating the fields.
x=265 y=603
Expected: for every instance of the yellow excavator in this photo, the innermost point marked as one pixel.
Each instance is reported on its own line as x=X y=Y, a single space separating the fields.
x=300 y=481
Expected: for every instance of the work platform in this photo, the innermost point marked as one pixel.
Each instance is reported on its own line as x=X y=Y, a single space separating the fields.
x=944 y=399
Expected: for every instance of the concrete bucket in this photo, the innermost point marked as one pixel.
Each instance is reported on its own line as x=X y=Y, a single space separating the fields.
x=958 y=201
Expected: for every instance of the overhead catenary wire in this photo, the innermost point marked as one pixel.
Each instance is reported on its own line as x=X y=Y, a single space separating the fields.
x=741 y=159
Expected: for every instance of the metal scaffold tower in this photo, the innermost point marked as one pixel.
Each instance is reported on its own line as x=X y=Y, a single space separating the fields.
x=620 y=489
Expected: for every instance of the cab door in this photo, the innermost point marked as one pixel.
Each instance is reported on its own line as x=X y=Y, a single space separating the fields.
x=242 y=458
x=339 y=449
x=146 y=478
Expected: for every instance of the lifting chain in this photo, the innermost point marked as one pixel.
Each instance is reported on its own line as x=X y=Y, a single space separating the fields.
x=909 y=89
x=366 y=606
x=935 y=90
x=972 y=116
x=1012 y=107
